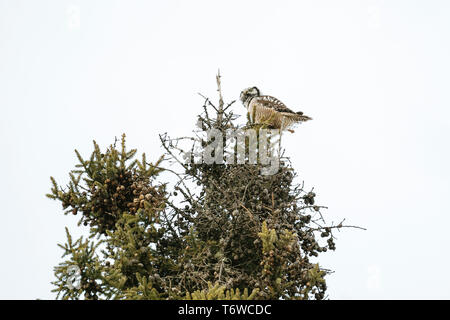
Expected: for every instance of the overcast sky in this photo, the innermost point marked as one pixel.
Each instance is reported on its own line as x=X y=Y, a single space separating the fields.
x=374 y=75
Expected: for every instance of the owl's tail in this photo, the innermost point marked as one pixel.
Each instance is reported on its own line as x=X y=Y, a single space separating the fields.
x=297 y=117
x=289 y=119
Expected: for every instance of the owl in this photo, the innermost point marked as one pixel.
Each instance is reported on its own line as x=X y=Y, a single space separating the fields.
x=270 y=110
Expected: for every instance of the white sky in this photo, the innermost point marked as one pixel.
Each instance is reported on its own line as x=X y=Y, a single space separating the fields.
x=374 y=75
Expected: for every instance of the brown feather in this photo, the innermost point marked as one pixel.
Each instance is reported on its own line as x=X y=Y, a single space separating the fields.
x=272 y=111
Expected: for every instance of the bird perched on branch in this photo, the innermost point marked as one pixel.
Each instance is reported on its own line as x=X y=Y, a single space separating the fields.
x=268 y=110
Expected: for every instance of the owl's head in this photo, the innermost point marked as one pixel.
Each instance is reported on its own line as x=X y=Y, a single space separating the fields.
x=249 y=93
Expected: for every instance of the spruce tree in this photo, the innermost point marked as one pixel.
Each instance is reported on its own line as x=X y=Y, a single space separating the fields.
x=223 y=231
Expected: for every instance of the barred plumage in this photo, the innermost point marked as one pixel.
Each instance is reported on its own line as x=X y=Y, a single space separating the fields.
x=270 y=110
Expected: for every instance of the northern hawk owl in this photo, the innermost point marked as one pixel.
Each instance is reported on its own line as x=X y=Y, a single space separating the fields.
x=270 y=110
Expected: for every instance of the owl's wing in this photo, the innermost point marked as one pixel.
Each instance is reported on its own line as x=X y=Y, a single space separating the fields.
x=272 y=103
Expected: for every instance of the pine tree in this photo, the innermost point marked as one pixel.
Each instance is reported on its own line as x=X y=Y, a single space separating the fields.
x=225 y=231
x=256 y=231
